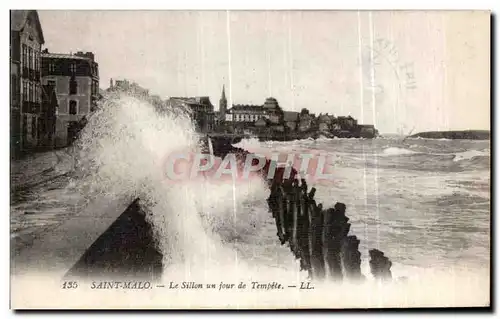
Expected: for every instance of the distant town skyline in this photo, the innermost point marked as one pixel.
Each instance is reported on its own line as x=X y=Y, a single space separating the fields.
x=397 y=70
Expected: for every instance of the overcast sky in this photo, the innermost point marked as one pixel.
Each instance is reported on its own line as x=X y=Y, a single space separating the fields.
x=397 y=70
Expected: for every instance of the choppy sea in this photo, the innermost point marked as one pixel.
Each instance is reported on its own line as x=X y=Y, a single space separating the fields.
x=425 y=203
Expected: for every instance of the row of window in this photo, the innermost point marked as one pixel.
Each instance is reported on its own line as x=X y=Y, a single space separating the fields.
x=54 y=67
x=246 y=117
x=30 y=58
x=73 y=85
x=31 y=92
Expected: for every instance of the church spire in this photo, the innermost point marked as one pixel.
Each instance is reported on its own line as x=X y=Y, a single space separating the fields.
x=223 y=104
x=223 y=97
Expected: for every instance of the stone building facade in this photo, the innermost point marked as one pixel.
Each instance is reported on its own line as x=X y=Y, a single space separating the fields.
x=26 y=40
x=201 y=108
x=246 y=114
x=75 y=78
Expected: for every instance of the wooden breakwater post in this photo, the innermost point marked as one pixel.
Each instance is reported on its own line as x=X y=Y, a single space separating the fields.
x=320 y=237
x=380 y=265
x=317 y=236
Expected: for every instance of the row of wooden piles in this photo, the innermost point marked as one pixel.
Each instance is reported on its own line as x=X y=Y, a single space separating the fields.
x=320 y=237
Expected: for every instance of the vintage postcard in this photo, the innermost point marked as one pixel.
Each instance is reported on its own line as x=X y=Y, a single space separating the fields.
x=249 y=159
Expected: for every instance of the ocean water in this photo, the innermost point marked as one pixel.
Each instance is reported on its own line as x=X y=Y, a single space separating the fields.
x=425 y=203
x=422 y=201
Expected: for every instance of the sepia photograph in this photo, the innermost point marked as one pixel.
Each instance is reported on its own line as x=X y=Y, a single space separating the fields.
x=250 y=159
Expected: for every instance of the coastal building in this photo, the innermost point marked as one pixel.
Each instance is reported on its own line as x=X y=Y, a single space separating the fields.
x=262 y=122
x=75 y=78
x=325 y=122
x=247 y=113
x=26 y=40
x=217 y=119
x=291 y=119
x=273 y=110
x=251 y=113
x=305 y=122
x=128 y=86
x=347 y=123
x=367 y=131
x=201 y=109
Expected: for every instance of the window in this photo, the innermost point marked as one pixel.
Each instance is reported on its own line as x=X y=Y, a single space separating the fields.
x=30 y=58
x=37 y=94
x=28 y=87
x=52 y=67
x=33 y=57
x=73 y=86
x=51 y=82
x=73 y=68
x=24 y=61
x=37 y=61
x=72 y=107
x=25 y=90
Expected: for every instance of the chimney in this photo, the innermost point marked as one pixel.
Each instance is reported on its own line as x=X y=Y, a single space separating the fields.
x=111 y=83
x=88 y=55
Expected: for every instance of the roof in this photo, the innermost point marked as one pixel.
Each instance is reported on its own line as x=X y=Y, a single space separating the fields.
x=193 y=100
x=64 y=56
x=346 y=117
x=247 y=107
x=18 y=20
x=290 y=116
x=175 y=102
x=271 y=102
